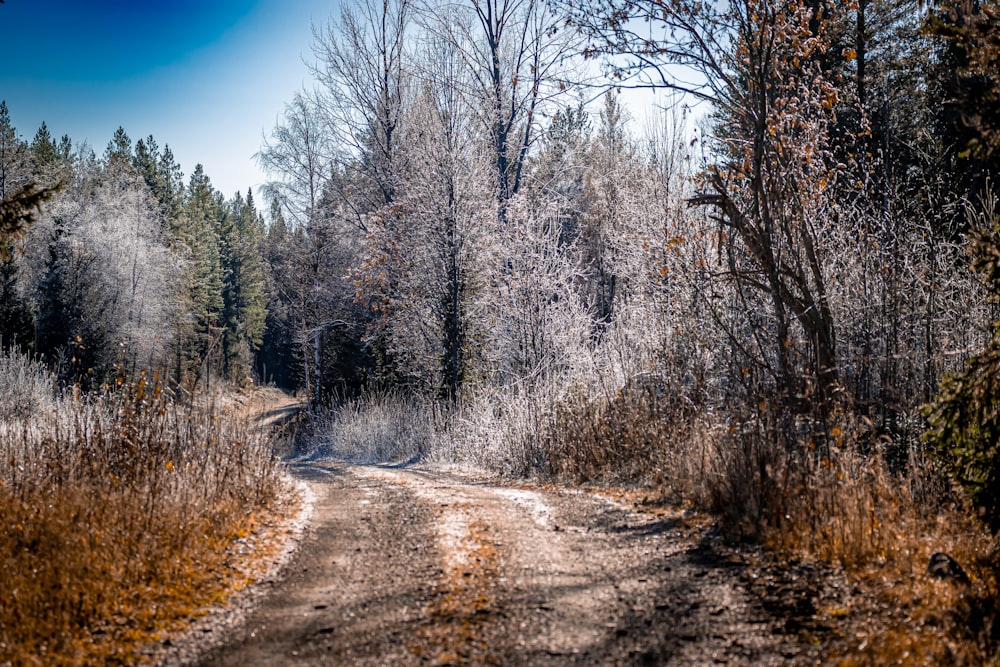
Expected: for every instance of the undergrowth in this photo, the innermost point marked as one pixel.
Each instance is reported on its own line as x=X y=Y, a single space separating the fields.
x=769 y=480
x=833 y=494
x=375 y=428
x=118 y=514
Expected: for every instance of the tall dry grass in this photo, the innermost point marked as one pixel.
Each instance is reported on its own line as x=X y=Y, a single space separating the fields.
x=26 y=388
x=832 y=494
x=118 y=513
x=618 y=439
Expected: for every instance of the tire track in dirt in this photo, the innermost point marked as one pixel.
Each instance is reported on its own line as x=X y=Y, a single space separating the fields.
x=416 y=566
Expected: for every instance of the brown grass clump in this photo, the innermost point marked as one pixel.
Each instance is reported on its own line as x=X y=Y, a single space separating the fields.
x=813 y=493
x=118 y=518
x=881 y=530
x=842 y=505
x=618 y=439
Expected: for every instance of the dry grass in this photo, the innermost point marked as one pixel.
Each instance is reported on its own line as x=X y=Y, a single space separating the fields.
x=118 y=517
x=844 y=508
x=374 y=428
x=617 y=440
x=881 y=529
x=766 y=480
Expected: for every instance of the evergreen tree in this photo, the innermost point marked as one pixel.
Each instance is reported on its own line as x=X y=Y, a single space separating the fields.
x=18 y=203
x=200 y=333
x=16 y=321
x=964 y=419
x=172 y=196
x=146 y=161
x=279 y=360
x=119 y=149
x=244 y=293
x=55 y=312
x=13 y=172
x=65 y=149
x=162 y=176
x=43 y=148
x=970 y=90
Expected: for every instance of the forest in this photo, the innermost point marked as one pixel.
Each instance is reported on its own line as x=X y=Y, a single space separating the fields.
x=772 y=296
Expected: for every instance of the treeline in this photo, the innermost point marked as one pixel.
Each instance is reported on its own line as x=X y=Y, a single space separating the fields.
x=129 y=267
x=456 y=221
x=453 y=215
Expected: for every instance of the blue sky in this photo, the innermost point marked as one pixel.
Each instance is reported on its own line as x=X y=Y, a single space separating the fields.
x=207 y=77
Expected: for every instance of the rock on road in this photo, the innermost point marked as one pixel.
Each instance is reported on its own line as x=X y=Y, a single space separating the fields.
x=411 y=566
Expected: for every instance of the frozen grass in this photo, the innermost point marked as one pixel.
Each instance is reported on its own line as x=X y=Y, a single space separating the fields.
x=376 y=428
x=495 y=432
x=117 y=514
x=26 y=387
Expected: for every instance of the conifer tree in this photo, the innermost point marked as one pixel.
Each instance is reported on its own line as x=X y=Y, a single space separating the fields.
x=244 y=293
x=11 y=156
x=970 y=105
x=278 y=360
x=197 y=229
x=15 y=317
x=20 y=200
x=43 y=147
x=65 y=149
x=118 y=154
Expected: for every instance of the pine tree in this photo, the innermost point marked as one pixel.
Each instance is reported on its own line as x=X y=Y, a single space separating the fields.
x=43 y=148
x=13 y=172
x=200 y=334
x=65 y=149
x=162 y=176
x=119 y=149
x=244 y=291
x=970 y=105
x=19 y=202
x=172 y=196
x=278 y=360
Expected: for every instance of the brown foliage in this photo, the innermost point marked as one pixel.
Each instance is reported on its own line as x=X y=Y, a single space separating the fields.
x=117 y=519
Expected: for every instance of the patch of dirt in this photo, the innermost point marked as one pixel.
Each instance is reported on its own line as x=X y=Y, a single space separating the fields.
x=419 y=566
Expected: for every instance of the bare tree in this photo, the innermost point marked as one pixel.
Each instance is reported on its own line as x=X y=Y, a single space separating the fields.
x=362 y=74
x=516 y=55
x=421 y=262
x=770 y=178
x=300 y=154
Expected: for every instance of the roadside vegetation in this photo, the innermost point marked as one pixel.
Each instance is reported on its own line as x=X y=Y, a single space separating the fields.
x=121 y=513
x=756 y=300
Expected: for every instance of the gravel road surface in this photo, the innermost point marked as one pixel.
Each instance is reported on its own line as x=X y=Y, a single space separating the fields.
x=422 y=566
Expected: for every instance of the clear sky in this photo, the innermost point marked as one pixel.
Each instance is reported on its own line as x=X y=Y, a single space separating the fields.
x=207 y=77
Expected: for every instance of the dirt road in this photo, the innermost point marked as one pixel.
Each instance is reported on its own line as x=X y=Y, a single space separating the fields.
x=405 y=566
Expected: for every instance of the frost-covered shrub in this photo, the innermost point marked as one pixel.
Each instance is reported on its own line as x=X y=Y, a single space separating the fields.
x=376 y=428
x=26 y=387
